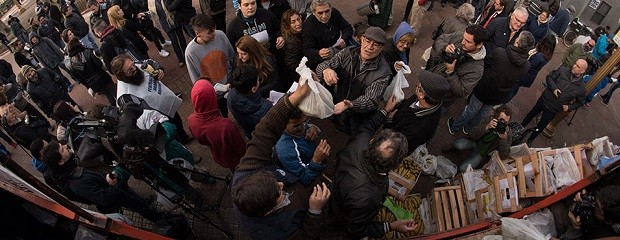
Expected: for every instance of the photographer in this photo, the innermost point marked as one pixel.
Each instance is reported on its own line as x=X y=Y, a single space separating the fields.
x=594 y=216
x=85 y=186
x=491 y=134
x=459 y=57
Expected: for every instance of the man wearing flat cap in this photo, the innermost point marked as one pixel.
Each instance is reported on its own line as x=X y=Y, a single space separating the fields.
x=357 y=77
x=418 y=116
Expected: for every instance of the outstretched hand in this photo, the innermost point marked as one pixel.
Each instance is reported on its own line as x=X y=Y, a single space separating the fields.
x=300 y=93
x=319 y=197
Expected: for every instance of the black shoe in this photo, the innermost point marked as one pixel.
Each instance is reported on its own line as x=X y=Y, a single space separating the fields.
x=450 y=122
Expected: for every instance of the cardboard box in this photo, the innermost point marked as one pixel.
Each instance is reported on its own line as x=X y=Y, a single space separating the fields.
x=506 y=193
x=447 y=207
x=399 y=187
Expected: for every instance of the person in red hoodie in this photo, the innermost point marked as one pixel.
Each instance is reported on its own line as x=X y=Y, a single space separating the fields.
x=209 y=127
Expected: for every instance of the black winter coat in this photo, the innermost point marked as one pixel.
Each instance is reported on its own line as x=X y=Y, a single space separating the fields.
x=418 y=125
x=77 y=24
x=182 y=10
x=318 y=35
x=292 y=52
x=573 y=90
x=115 y=39
x=498 y=34
x=88 y=67
x=502 y=72
x=359 y=191
x=47 y=90
x=51 y=29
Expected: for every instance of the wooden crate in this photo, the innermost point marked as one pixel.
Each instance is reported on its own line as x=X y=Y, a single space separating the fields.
x=506 y=193
x=538 y=178
x=484 y=198
x=448 y=208
x=399 y=187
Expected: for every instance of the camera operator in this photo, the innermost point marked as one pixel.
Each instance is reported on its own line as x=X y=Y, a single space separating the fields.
x=85 y=186
x=459 y=57
x=149 y=147
x=489 y=135
x=595 y=216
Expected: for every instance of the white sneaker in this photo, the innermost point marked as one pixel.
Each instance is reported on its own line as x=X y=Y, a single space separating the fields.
x=167 y=43
x=163 y=53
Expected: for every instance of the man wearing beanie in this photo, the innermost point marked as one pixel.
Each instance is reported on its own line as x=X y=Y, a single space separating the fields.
x=44 y=89
x=357 y=77
x=418 y=116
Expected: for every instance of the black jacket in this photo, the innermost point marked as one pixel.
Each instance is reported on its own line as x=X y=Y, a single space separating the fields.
x=277 y=7
x=502 y=71
x=182 y=10
x=318 y=35
x=573 y=90
x=498 y=34
x=47 y=90
x=88 y=67
x=21 y=59
x=392 y=55
x=359 y=191
x=292 y=52
x=115 y=42
x=417 y=124
x=261 y=21
x=6 y=70
x=51 y=29
x=77 y=24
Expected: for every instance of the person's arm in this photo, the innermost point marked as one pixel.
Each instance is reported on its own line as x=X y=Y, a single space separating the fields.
x=267 y=132
x=481 y=129
x=193 y=69
x=333 y=64
x=463 y=80
x=552 y=78
x=92 y=190
x=346 y=30
x=536 y=63
x=290 y=59
x=580 y=101
x=372 y=95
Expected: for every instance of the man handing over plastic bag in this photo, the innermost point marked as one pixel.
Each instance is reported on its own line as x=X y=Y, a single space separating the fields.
x=398 y=83
x=357 y=76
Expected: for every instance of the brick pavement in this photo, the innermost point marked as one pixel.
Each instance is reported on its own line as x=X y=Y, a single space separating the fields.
x=590 y=123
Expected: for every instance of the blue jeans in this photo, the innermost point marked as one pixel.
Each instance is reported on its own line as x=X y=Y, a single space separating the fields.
x=607 y=96
x=472 y=114
x=89 y=41
x=474 y=158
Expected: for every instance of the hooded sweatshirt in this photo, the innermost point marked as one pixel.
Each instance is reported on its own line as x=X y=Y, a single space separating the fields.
x=496 y=84
x=209 y=127
x=46 y=51
x=391 y=53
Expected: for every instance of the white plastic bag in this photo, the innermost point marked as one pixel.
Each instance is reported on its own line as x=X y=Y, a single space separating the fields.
x=427 y=162
x=473 y=180
x=445 y=168
x=600 y=147
x=565 y=168
x=398 y=83
x=519 y=229
x=319 y=103
x=543 y=221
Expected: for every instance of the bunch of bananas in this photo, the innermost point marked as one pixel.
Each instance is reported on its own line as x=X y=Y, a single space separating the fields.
x=409 y=169
x=411 y=203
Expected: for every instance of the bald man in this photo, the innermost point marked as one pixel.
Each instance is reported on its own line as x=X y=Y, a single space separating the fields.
x=563 y=86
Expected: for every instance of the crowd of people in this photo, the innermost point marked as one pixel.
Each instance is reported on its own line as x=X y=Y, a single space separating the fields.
x=483 y=55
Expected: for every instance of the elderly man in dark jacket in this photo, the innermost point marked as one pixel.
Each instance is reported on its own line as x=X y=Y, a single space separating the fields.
x=269 y=203
x=44 y=88
x=358 y=76
x=50 y=55
x=324 y=32
x=503 y=69
x=361 y=178
x=503 y=32
x=565 y=92
x=463 y=72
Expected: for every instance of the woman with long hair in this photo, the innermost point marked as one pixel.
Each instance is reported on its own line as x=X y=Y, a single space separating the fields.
x=292 y=52
x=251 y=52
x=539 y=57
x=118 y=21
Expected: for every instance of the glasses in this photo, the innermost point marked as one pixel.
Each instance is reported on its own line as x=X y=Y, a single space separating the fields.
x=371 y=43
x=405 y=43
x=324 y=12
